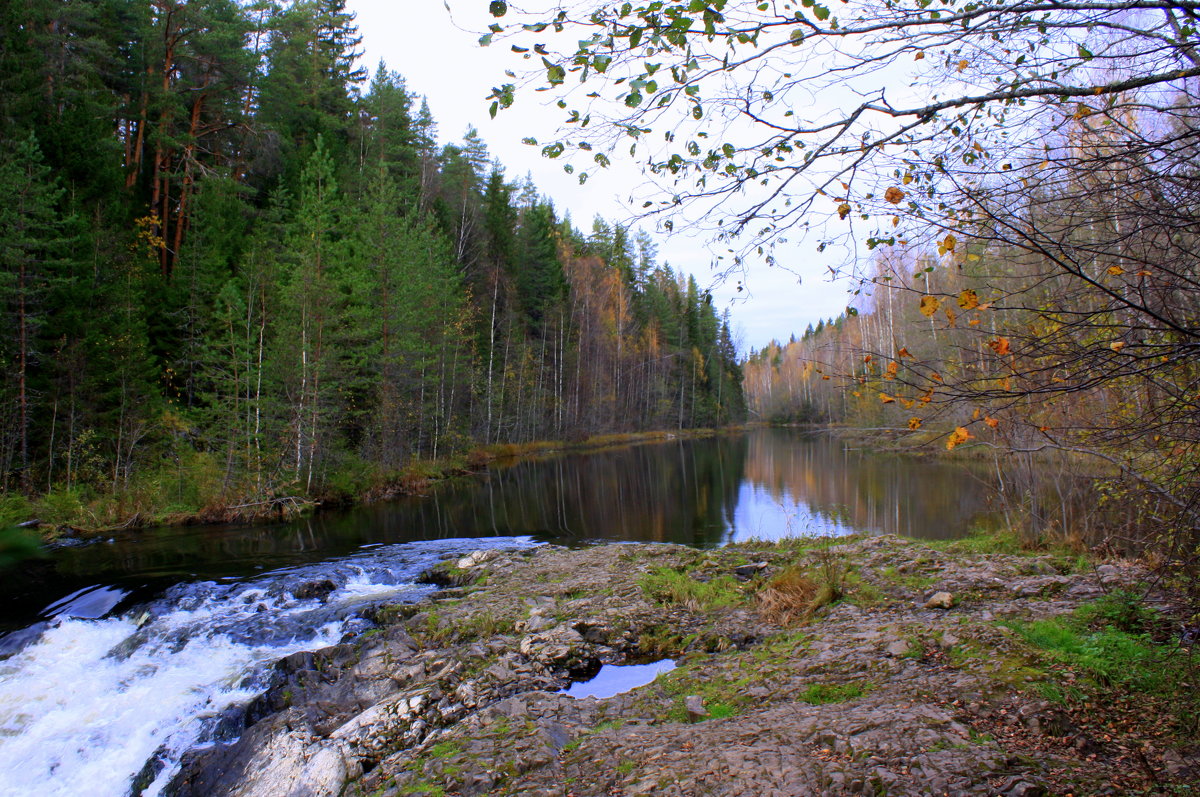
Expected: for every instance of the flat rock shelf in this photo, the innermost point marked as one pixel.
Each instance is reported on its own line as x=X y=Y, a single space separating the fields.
x=881 y=692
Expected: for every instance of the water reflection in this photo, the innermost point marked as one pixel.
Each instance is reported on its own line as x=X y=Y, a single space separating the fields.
x=768 y=483
x=798 y=484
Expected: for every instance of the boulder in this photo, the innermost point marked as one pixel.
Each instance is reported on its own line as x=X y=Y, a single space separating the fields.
x=940 y=600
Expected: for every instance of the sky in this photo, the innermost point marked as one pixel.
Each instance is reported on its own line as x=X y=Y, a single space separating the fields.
x=437 y=53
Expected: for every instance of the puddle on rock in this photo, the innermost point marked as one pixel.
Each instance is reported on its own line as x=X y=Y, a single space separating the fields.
x=613 y=679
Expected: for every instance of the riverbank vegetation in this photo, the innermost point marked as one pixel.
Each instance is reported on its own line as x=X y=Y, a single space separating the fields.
x=240 y=275
x=1015 y=184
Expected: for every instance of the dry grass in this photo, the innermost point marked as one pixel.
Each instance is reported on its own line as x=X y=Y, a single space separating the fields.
x=797 y=593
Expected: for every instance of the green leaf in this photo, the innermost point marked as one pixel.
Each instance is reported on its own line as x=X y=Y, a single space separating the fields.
x=633 y=99
x=1085 y=53
x=635 y=36
x=495 y=107
x=498 y=8
x=821 y=12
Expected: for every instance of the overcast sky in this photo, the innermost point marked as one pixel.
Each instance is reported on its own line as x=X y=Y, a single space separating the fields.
x=440 y=59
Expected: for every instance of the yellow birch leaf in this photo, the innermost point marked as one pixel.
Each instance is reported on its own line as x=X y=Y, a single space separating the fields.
x=894 y=195
x=843 y=210
x=975 y=415
x=959 y=436
x=914 y=424
x=992 y=422
x=1116 y=271
x=908 y=403
x=968 y=299
x=892 y=368
x=999 y=345
x=895 y=221
x=919 y=56
x=963 y=64
x=929 y=305
x=908 y=178
x=1117 y=345
x=886 y=399
x=974 y=322
x=935 y=376
x=904 y=353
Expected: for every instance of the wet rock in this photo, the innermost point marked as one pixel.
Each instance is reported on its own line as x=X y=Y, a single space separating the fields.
x=476 y=558
x=749 y=571
x=940 y=600
x=314 y=589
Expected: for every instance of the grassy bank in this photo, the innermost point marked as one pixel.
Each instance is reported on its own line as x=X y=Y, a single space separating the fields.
x=194 y=490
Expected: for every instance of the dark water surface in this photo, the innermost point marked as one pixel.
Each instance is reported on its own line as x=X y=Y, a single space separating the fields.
x=707 y=492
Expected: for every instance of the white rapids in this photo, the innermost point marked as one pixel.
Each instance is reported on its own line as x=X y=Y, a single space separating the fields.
x=106 y=707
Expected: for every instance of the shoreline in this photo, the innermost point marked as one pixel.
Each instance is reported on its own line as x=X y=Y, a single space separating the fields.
x=415 y=479
x=808 y=666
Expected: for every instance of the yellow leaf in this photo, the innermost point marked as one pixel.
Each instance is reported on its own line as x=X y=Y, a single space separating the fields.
x=968 y=299
x=951 y=316
x=826 y=378
x=1117 y=345
x=892 y=368
x=972 y=258
x=895 y=221
x=929 y=305
x=914 y=423
x=908 y=403
x=855 y=393
x=919 y=56
x=1116 y=271
x=894 y=195
x=885 y=398
x=928 y=397
x=908 y=178
x=999 y=345
x=949 y=242
x=974 y=322
x=903 y=353
x=843 y=210
x=962 y=65
x=959 y=436
x=975 y=415
x=867 y=359
x=935 y=376
x=992 y=422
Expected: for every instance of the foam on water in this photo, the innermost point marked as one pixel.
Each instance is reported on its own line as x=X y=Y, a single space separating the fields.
x=89 y=702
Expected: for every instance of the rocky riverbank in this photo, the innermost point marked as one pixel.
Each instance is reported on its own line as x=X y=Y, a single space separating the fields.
x=868 y=666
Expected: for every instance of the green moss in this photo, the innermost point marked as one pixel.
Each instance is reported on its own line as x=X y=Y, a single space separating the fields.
x=820 y=694
x=625 y=767
x=669 y=586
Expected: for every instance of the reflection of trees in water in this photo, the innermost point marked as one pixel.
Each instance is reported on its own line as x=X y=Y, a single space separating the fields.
x=681 y=492
x=865 y=490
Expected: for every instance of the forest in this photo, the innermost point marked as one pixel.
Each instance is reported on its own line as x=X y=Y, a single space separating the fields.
x=234 y=266
x=1014 y=186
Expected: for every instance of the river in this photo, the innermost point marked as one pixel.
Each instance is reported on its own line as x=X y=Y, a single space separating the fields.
x=122 y=654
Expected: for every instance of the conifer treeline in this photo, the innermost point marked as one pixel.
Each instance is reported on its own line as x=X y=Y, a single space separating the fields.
x=228 y=256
